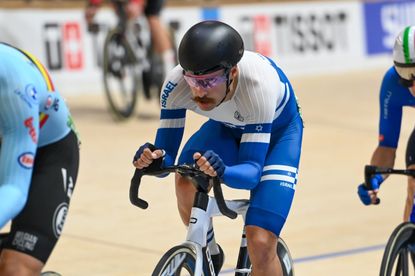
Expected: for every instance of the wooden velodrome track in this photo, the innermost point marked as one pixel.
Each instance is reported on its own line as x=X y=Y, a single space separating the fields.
x=329 y=231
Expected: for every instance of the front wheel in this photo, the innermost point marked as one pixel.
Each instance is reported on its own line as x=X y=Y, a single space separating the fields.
x=121 y=74
x=178 y=261
x=399 y=251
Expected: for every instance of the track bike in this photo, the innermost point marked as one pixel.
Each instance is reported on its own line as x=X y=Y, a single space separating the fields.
x=192 y=257
x=129 y=63
x=400 y=248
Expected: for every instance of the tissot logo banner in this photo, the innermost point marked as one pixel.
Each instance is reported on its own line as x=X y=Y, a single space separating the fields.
x=295 y=33
x=383 y=22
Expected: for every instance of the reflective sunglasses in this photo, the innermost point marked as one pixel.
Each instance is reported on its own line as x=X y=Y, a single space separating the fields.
x=205 y=81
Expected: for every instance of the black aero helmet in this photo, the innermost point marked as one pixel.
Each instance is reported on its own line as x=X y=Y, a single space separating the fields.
x=209 y=46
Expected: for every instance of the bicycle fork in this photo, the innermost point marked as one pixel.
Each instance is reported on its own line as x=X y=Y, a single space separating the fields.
x=242 y=266
x=197 y=233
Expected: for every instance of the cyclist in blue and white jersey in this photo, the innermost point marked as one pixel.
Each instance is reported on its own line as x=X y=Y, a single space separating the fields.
x=252 y=139
x=397 y=91
x=39 y=158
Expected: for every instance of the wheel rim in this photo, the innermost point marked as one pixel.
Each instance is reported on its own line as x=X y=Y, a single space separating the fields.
x=120 y=76
x=398 y=257
x=181 y=263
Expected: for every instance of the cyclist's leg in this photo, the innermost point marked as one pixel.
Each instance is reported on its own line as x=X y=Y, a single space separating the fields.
x=409 y=213
x=271 y=199
x=161 y=39
x=211 y=136
x=35 y=231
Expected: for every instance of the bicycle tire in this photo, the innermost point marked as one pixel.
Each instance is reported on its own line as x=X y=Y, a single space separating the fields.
x=121 y=79
x=397 y=251
x=178 y=261
x=284 y=256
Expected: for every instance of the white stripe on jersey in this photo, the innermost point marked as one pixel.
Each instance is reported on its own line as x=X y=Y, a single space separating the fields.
x=287 y=97
x=285 y=178
x=280 y=168
x=256 y=137
x=172 y=123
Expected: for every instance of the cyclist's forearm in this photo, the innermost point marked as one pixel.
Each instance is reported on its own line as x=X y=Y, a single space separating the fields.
x=242 y=176
x=384 y=157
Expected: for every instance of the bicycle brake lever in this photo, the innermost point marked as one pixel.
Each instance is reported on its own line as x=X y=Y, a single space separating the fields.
x=217 y=189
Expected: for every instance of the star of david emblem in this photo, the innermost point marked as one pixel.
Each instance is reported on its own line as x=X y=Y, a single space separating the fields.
x=258 y=128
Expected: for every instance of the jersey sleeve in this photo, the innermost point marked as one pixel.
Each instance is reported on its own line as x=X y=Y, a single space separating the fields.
x=170 y=133
x=173 y=102
x=392 y=98
x=19 y=125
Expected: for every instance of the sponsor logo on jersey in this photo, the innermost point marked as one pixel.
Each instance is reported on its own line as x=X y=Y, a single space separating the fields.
x=24 y=241
x=166 y=92
x=31 y=93
x=52 y=102
x=32 y=131
x=49 y=102
x=238 y=116
x=59 y=218
x=386 y=105
x=26 y=160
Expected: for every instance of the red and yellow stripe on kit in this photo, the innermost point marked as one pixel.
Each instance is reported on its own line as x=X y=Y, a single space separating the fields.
x=43 y=117
x=43 y=71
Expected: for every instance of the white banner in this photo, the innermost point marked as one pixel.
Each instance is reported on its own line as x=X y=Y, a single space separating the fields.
x=302 y=37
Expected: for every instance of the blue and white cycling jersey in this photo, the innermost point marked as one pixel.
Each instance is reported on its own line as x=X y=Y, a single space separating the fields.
x=263 y=103
x=393 y=97
x=32 y=115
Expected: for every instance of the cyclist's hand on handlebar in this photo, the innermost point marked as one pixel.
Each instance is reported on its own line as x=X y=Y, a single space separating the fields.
x=148 y=156
x=210 y=163
x=368 y=196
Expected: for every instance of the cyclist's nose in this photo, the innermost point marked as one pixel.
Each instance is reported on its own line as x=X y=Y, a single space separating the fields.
x=200 y=91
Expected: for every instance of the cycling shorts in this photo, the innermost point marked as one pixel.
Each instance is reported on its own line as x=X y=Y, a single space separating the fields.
x=271 y=199
x=38 y=226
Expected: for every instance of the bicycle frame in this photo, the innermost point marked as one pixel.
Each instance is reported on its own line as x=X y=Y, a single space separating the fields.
x=204 y=208
x=199 y=225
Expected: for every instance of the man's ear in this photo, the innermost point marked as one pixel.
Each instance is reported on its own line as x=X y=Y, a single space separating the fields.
x=234 y=71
